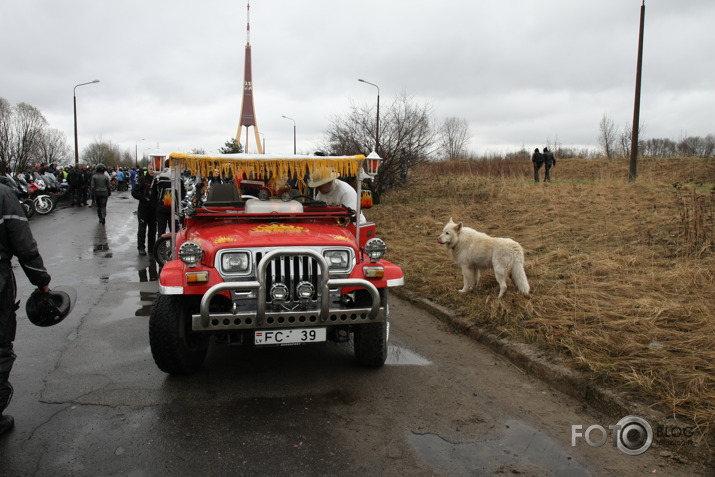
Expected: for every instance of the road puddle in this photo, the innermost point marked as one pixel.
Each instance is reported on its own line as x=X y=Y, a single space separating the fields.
x=520 y=449
x=397 y=355
x=147 y=303
x=150 y=273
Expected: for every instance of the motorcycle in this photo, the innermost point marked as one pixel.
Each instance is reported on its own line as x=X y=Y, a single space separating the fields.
x=41 y=201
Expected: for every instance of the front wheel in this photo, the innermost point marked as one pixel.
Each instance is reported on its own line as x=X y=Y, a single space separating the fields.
x=175 y=347
x=43 y=204
x=29 y=208
x=370 y=341
x=162 y=250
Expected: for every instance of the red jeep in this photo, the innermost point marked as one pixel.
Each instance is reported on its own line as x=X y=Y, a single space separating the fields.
x=272 y=268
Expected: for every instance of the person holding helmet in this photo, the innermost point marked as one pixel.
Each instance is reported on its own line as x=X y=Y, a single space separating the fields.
x=100 y=191
x=333 y=191
x=15 y=240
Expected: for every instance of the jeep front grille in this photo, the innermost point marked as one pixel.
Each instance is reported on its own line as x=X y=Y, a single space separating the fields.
x=290 y=270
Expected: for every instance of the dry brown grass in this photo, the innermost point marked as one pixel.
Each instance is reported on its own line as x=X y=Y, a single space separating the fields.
x=622 y=274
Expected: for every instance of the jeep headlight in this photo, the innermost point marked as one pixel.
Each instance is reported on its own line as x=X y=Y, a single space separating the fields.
x=375 y=249
x=337 y=259
x=190 y=253
x=235 y=262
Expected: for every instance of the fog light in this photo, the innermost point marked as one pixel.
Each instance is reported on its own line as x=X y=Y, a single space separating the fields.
x=279 y=293
x=305 y=291
x=375 y=249
x=190 y=253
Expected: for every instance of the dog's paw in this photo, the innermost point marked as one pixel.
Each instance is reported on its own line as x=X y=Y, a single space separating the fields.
x=463 y=290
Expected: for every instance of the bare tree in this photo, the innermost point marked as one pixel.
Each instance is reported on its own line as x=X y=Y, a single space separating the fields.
x=27 y=132
x=53 y=147
x=101 y=152
x=407 y=138
x=607 y=136
x=453 y=138
x=5 y=134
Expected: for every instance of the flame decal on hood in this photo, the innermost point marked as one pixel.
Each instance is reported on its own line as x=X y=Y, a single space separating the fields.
x=279 y=229
x=340 y=237
x=218 y=240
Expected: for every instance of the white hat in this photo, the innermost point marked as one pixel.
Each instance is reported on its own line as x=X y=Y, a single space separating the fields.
x=322 y=176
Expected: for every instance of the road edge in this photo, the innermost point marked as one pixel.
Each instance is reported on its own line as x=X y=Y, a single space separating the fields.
x=551 y=369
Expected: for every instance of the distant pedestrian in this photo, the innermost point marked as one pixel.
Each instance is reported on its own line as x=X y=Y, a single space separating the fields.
x=133 y=177
x=549 y=162
x=538 y=159
x=86 y=180
x=100 y=191
x=121 y=186
x=74 y=181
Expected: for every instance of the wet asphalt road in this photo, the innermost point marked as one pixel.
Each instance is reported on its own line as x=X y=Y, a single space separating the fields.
x=89 y=400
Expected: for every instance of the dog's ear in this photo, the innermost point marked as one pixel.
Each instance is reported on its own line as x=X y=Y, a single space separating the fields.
x=450 y=221
x=458 y=227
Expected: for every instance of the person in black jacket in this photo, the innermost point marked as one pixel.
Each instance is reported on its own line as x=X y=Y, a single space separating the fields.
x=74 y=180
x=549 y=161
x=538 y=159
x=15 y=240
x=146 y=211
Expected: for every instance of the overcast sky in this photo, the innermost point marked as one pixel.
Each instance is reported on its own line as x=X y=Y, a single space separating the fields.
x=521 y=72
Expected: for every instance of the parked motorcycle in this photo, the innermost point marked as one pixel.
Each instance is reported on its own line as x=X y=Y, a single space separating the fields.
x=41 y=201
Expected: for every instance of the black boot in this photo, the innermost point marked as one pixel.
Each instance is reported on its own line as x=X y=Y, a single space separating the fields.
x=6 y=423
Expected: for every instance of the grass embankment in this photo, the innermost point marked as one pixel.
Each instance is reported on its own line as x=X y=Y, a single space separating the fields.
x=622 y=274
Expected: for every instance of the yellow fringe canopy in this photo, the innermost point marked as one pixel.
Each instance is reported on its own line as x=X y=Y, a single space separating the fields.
x=267 y=167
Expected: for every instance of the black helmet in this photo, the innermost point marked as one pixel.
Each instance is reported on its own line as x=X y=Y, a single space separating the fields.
x=47 y=309
x=101 y=168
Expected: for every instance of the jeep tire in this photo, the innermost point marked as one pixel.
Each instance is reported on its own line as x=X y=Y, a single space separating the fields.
x=370 y=340
x=175 y=348
x=162 y=251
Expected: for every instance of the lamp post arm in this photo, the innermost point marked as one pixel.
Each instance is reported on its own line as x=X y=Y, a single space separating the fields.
x=74 y=97
x=377 y=119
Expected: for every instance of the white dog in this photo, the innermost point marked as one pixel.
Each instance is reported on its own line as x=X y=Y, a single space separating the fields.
x=475 y=251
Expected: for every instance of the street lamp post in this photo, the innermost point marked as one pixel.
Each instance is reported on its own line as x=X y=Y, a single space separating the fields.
x=136 y=153
x=76 y=150
x=263 y=137
x=294 y=149
x=377 y=120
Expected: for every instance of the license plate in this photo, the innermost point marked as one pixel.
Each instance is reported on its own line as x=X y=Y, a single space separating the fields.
x=289 y=337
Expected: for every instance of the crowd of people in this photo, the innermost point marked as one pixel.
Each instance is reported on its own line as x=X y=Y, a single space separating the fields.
x=79 y=179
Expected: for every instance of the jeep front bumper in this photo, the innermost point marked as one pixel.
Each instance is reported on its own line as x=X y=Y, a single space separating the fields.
x=322 y=313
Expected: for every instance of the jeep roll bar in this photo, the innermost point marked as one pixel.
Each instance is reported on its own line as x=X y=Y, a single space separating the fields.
x=265 y=165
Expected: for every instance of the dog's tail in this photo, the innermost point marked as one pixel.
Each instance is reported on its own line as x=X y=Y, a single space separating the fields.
x=518 y=275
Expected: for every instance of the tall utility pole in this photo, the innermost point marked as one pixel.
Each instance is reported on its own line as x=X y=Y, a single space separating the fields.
x=248 y=115
x=136 y=153
x=637 y=104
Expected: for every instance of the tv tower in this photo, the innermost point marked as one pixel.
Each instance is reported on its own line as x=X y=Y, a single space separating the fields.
x=248 y=115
